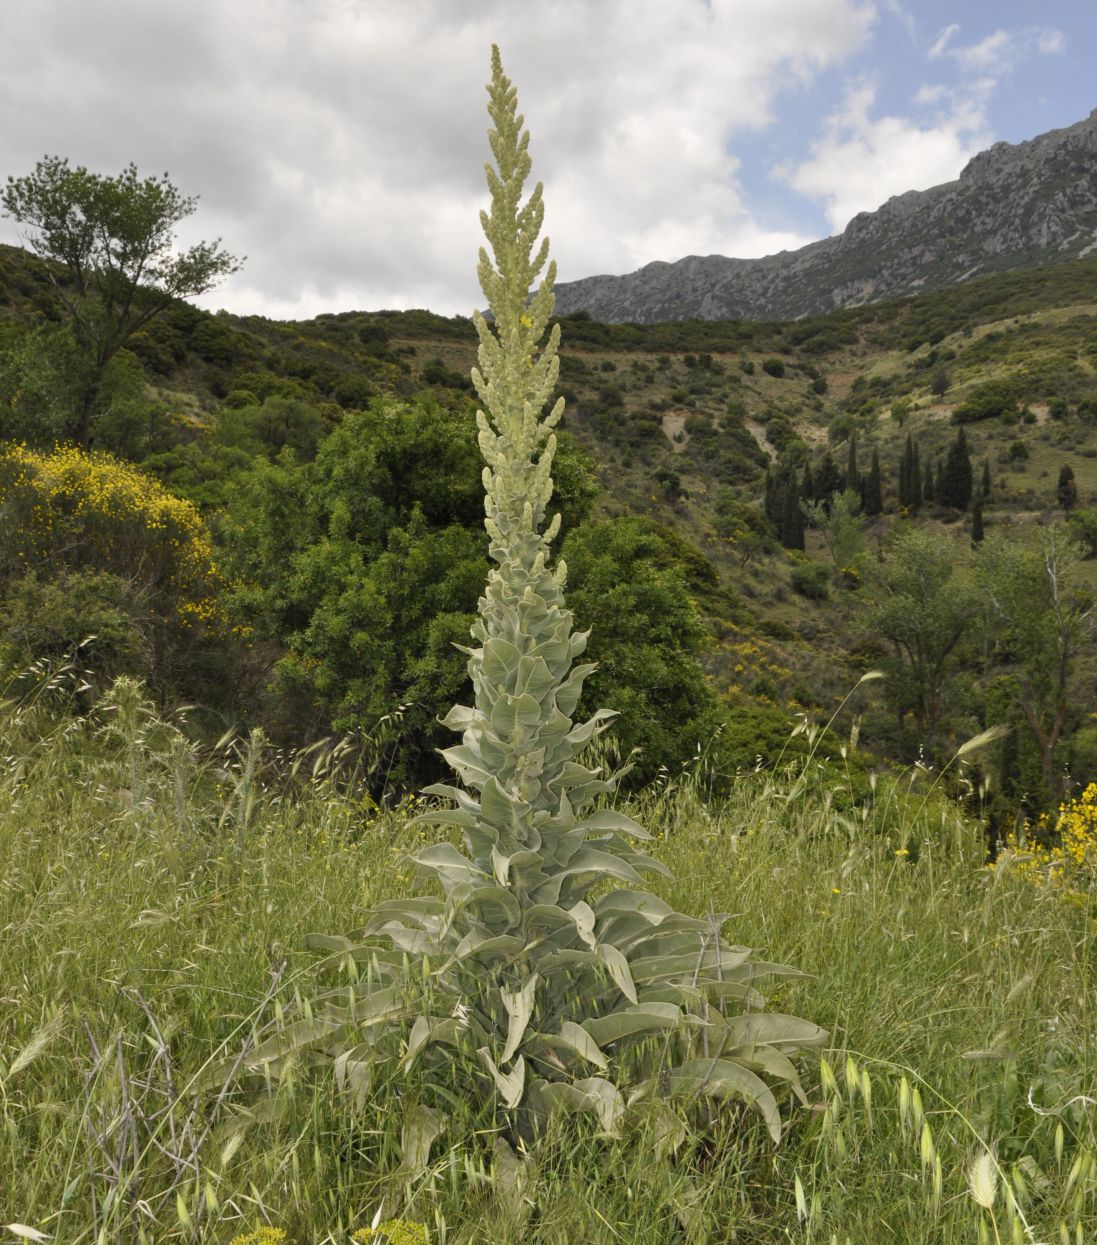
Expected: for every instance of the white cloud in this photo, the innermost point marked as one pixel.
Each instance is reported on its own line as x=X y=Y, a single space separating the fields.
x=902 y=16
x=341 y=145
x=942 y=41
x=862 y=160
x=1001 y=51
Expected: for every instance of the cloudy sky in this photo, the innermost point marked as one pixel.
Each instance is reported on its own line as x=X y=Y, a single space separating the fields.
x=339 y=144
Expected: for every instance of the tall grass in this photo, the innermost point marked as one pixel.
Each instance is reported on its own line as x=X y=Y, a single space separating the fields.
x=153 y=900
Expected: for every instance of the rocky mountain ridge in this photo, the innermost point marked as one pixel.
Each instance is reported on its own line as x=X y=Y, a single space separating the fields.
x=1013 y=206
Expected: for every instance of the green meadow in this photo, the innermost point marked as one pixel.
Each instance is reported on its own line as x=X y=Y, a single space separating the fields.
x=154 y=903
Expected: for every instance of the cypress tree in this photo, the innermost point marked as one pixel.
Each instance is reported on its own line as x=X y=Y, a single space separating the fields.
x=905 y=461
x=929 y=484
x=954 y=487
x=977 y=521
x=1067 y=491
x=828 y=480
x=872 y=501
x=807 y=488
x=792 y=516
x=853 y=475
x=985 y=487
x=773 y=501
x=915 y=480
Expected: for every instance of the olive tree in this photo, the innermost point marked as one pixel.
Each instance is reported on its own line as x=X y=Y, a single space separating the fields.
x=114 y=238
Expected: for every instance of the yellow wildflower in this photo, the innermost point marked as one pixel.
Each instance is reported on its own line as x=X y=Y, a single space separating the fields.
x=393 y=1232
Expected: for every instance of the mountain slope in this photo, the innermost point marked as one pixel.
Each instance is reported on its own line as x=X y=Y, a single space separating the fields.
x=1013 y=206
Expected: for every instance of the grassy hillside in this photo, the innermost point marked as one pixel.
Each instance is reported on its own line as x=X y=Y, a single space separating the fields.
x=681 y=421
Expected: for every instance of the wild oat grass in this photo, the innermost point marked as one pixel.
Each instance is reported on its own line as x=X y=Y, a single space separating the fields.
x=153 y=901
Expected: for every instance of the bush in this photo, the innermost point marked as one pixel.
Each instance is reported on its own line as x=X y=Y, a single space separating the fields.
x=774 y=367
x=95 y=546
x=89 y=612
x=89 y=511
x=995 y=398
x=811 y=580
x=1083 y=525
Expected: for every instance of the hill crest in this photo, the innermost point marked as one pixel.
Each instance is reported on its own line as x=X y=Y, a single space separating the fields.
x=1015 y=205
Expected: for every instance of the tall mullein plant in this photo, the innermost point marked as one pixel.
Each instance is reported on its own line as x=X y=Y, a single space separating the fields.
x=545 y=998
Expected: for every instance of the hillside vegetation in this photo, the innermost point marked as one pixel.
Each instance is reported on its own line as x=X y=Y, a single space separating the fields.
x=670 y=432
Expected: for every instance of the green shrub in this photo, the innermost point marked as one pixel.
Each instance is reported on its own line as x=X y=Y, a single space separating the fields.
x=987 y=401
x=811 y=580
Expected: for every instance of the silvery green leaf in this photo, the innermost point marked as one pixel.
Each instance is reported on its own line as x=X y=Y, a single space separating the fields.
x=500 y=807
x=677 y=993
x=576 y=1038
x=443 y=817
x=608 y=1104
x=611 y=819
x=551 y=961
x=421 y=1126
x=766 y=1061
x=549 y=922
x=535 y=677
x=526 y=870
x=495 y=905
x=510 y=1084
x=477 y=943
x=787 y=1033
x=628 y=1021
x=570 y=690
x=664 y=1131
x=460 y=717
x=626 y=901
x=413 y=941
x=595 y=724
x=688 y=964
x=590 y=860
x=468 y=765
x=508 y=1171
x=592 y=1094
x=617 y=967
x=583 y=916
x=417 y=1039
x=519 y=1005
x=500 y=659
x=721 y=1078
x=354 y=1071
x=500 y=866
x=513 y=712
x=417 y=907
x=449 y=864
x=460 y=797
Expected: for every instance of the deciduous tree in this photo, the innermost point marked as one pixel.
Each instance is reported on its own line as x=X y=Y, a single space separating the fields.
x=1040 y=618
x=114 y=238
x=923 y=616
